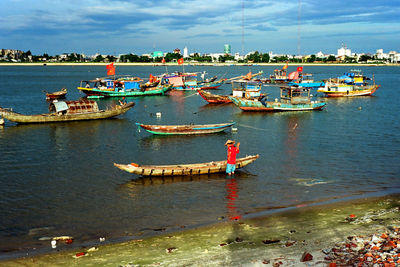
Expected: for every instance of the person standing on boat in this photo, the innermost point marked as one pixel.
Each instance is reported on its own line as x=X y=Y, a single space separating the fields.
x=232 y=152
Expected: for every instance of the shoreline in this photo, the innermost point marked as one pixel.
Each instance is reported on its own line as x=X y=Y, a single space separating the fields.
x=307 y=229
x=199 y=64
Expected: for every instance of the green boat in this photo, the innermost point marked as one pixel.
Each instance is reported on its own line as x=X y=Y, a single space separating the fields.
x=121 y=87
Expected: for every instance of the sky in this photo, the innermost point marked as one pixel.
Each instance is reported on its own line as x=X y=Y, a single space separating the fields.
x=116 y=27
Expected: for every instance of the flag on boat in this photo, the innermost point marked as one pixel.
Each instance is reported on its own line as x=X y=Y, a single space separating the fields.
x=163 y=61
x=151 y=78
x=300 y=69
x=180 y=61
x=285 y=67
x=248 y=76
x=293 y=75
x=110 y=69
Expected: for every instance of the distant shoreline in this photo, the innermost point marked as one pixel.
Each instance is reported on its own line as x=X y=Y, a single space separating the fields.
x=198 y=64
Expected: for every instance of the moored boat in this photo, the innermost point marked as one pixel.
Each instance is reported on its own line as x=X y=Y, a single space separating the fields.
x=188 y=81
x=350 y=84
x=213 y=98
x=56 y=95
x=183 y=169
x=121 y=87
x=63 y=111
x=291 y=99
x=186 y=129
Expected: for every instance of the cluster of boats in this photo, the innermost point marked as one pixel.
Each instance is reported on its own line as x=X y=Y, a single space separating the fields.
x=295 y=95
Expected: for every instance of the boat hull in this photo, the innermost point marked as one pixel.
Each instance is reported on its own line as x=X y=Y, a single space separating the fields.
x=53 y=117
x=184 y=169
x=350 y=93
x=200 y=86
x=268 y=106
x=185 y=129
x=111 y=93
x=214 y=99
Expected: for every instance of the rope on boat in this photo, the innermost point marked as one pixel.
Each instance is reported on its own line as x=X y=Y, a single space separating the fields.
x=252 y=127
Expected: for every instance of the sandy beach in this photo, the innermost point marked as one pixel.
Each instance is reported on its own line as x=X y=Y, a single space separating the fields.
x=279 y=239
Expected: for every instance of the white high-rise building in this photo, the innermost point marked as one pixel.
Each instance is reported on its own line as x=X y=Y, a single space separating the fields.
x=344 y=51
x=185 y=52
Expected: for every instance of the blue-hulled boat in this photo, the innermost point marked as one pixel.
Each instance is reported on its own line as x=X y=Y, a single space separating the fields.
x=292 y=99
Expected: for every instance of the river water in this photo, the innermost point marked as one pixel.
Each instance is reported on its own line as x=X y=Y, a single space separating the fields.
x=59 y=179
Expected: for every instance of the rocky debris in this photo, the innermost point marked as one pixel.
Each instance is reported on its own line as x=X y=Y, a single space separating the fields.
x=306 y=257
x=375 y=250
x=271 y=241
x=170 y=250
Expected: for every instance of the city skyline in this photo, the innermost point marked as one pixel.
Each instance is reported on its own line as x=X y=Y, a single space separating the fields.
x=122 y=27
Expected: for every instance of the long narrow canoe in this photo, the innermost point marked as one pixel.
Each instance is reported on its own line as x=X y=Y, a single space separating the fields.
x=183 y=169
x=186 y=129
x=214 y=99
x=55 y=117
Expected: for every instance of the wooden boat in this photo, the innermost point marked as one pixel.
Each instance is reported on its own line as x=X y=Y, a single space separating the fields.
x=63 y=111
x=348 y=85
x=186 y=129
x=121 y=87
x=188 y=81
x=183 y=169
x=292 y=99
x=56 y=95
x=214 y=99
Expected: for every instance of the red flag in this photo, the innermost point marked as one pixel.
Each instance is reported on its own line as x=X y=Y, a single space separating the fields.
x=151 y=78
x=180 y=61
x=163 y=61
x=293 y=75
x=300 y=69
x=285 y=67
x=248 y=76
x=110 y=69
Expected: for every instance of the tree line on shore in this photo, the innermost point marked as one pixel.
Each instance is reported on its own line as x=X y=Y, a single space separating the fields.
x=254 y=57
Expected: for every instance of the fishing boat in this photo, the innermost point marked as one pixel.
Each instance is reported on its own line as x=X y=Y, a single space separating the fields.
x=350 y=84
x=64 y=111
x=183 y=169
x=56 y=95
x=213 y=98
x=291 y=99
x=121 y=87
x=188 y=81
x=186 y=129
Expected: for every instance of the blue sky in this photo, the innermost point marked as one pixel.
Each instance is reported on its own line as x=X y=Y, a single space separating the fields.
x=204 y=26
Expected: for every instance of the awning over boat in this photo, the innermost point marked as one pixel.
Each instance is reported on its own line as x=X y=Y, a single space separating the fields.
x=60 y=106
x=131 y=85
x=176 y=81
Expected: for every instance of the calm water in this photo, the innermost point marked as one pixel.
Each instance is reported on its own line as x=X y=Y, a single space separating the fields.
x=59 y=179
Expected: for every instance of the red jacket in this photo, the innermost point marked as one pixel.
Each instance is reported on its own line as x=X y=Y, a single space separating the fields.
x=232 y=152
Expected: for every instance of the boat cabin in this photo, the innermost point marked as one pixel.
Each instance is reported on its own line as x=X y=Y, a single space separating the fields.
x=295 y=95
x=121 y=84
x=181 y=79
x=246 y=89
x=73 y=107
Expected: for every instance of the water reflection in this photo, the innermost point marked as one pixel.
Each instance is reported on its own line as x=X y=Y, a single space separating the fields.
x=232 y=194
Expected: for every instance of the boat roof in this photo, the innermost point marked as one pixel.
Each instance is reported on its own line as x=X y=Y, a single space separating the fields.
x=60 y=106
x=246 y=81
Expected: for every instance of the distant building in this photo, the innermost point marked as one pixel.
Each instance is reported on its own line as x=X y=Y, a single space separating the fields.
x=380 y=55
x=227 y=49
x=344 y=51
x=157 y=54
x=185 y=52
x=177 y=51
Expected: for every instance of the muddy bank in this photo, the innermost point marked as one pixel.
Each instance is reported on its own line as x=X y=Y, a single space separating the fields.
x=277 y=239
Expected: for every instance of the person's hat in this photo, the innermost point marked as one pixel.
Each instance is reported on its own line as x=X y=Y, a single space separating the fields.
x=229 y=142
